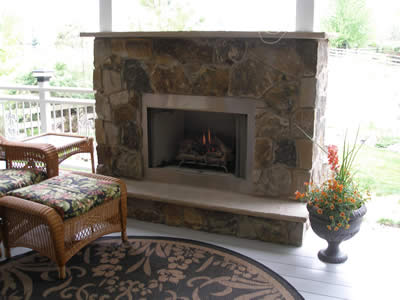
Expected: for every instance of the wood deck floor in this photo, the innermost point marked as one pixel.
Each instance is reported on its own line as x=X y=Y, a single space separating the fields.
x=371 y=271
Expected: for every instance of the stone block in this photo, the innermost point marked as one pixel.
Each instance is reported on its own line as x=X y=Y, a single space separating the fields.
x=194 y=218
x=132 y=136
x=185 y=50
x=124 y=113
x=111 y=81
x=308 y=52
x=171 y=80
x=285 y=153
x=229 y=51
x=139 y=48
x=299 y=178
x=100 y=132
x=119 y=98
x=263 y=153
x=304 y=119
x=308 y=92
x=111 y=133
x=103 y=109
x=136 y=77
x=304 y=148
x=104 y=153
x=295 y=233
x=283 y=96
x=222 y=222
x=269 y=124
x=97 y=80
x=211 y=81
x=118 y=47
x=282 y=56
x=102 y=51
x=173 y=215
x=143 y=210
x=252 y=78
x=275 y=181
x=128 y=163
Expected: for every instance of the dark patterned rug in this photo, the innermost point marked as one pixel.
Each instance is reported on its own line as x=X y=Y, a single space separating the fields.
x=144 y=268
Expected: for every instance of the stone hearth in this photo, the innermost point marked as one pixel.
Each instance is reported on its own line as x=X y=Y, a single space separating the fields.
x=285 y=83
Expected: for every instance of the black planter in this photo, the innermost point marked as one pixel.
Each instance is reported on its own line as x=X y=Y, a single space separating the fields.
x=332 y=254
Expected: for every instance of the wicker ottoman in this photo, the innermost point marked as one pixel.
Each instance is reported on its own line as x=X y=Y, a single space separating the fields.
x=59 y=216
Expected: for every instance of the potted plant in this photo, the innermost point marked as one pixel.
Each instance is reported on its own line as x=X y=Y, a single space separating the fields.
x=336 y=206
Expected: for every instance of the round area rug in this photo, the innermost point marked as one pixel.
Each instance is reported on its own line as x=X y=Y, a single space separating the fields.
x=144 y=268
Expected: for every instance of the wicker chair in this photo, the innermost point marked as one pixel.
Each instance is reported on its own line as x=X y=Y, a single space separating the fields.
x=18 y=155
x=40 y=227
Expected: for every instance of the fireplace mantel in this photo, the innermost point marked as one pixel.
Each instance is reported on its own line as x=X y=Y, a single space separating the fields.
x=210 y=34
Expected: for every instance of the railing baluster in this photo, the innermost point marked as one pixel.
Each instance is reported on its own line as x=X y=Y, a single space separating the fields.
x=54 y=117
x=62 y=118
x=23 y=117
x=78 y=120
x=69 y=119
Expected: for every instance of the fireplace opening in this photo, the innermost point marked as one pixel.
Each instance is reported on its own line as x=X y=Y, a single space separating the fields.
x=197 y=140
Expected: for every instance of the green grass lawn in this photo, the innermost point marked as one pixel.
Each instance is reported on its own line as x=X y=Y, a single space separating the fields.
x=378 y=170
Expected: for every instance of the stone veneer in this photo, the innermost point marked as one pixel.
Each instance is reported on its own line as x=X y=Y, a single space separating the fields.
x=288 y=79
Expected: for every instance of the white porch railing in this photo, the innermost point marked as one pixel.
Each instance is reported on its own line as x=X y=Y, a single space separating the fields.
x=36 y=112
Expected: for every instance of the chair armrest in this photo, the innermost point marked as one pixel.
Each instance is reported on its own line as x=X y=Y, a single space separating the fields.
x=42 y=157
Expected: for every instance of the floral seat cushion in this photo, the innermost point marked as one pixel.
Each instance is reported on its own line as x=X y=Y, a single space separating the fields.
x=12 y=179
x=70 y=194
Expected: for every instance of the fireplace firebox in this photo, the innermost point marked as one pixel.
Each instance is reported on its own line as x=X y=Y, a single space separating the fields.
x=197 y=140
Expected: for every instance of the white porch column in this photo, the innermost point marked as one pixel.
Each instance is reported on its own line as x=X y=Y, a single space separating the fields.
x=43 y=78
x=105 y=15
x=305 y=15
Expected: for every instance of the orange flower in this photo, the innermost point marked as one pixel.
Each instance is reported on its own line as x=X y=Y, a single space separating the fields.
x=339 y=224
x=342 y=214
x=347 y=226
x=298 y=195
x=340 y=200
x=336 y=228
x=332 y=207
x=329 y=227
x=306 y=183
x=331 y=217
x=353 y=200
x=319 y=211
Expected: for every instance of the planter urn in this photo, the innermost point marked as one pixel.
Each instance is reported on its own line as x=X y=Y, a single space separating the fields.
x=333 y=254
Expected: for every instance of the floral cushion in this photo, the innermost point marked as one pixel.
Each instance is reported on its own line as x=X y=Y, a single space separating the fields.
x=12 y=179
x=70 y=194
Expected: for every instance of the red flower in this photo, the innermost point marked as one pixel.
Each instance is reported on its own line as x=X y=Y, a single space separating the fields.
x=333 y=157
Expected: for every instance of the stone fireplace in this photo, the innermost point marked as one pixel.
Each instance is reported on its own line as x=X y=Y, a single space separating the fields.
x=254 y=94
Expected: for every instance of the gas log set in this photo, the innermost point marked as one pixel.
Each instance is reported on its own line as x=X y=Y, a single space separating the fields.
x=205 y=150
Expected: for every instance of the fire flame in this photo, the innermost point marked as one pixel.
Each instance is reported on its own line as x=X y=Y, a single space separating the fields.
x=209 y=137
x=204 y=138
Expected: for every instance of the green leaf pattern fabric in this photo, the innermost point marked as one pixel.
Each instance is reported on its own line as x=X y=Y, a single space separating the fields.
x=70 y=194
x=11 y=179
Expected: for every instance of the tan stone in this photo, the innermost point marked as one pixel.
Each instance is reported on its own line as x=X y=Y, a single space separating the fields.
x=118 y=47
x=103 y=109
x=102 y=50
x=170 y=80
x=173 y=215
x=211 y=82
x=128 y=163
x=112 y=133
x=263 y=154
x=139 y=49
x=119 y=98
x=304 y=148
x=194 y=218
x=275 y=181
x=283 y=97
x=111 y=81
x=97 y=81
x=100 y=132
x=269 y=124
x=308 y=92
x=124 y=113
x=299 y=178
x=304 y=119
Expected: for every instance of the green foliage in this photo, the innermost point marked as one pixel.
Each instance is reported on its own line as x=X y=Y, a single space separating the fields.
x=351 y=23
x=389 y=222
x=378 y=170
x=386 y=141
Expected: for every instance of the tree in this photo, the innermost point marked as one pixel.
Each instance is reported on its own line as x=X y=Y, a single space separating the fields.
x=351 y=21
